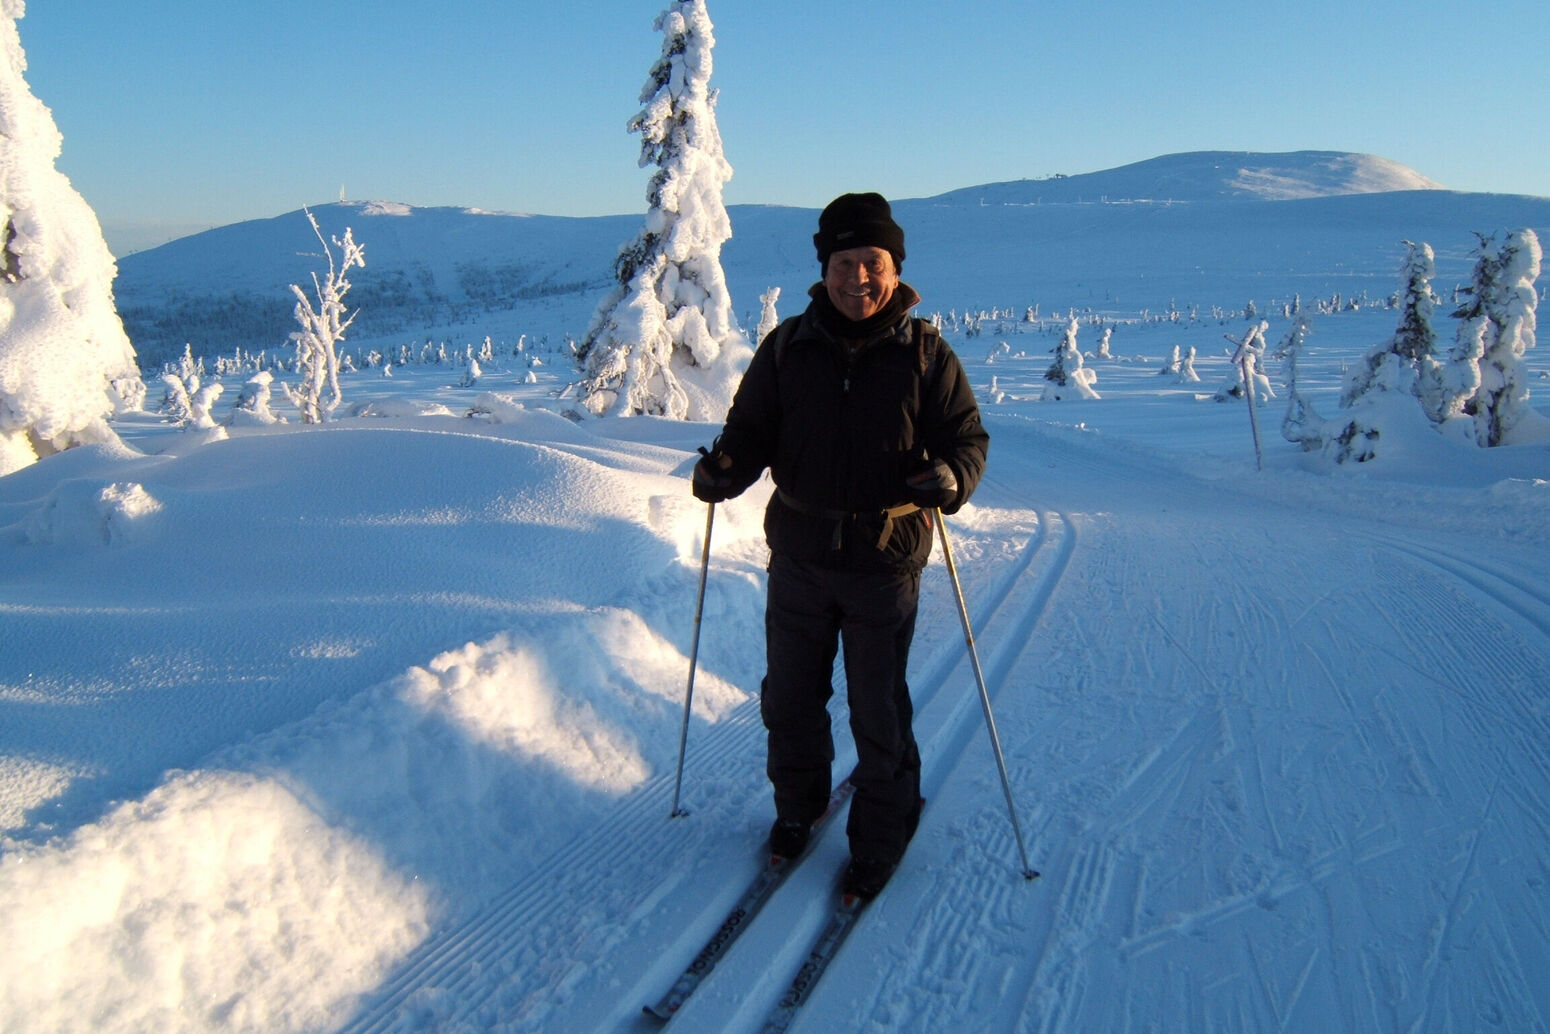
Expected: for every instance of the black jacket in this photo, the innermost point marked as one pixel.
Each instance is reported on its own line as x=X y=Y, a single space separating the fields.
x=840 y=423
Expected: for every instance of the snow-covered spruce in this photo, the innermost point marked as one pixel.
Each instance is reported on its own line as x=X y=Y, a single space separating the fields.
x=1414 y=341
x=65 y=363
x=1067 y=377
x=253 y=404
x=664 y=341
x=1379 y=398
x=769 y=319
x=1486 y=384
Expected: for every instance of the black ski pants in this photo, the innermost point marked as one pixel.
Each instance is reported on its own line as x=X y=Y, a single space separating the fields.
x=811 y=611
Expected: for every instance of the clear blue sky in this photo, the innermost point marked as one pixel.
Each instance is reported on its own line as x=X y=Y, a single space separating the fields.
x=179 y=115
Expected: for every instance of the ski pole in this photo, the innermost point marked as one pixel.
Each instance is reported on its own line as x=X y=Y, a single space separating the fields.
x=694 y=654
x=979 y=676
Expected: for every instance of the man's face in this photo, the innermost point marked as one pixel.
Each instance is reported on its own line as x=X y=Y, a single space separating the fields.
x=860 y=281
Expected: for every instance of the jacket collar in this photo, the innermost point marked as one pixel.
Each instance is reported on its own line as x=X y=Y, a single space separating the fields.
x=893 y=322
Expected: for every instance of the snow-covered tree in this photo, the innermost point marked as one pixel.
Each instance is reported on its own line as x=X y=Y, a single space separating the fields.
x=1253 y=346
x=66 y=364
x=1414 y=341
x=1067 y=377
x=1500 y=312
x=176 y=405
x=202 y=405
x=769 y=319
x=1382 y=417
x=1384 y=406
x=1104 y=343
x=1448 y=386
x=665 y=340
x=323 y=327
x=471 y=371
x=1292 y=341
x=253 y=404
x=1187 y=374
x=1302 y=424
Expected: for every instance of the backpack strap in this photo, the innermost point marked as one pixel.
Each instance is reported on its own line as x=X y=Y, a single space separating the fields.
x=928 y=340
x=783 y=335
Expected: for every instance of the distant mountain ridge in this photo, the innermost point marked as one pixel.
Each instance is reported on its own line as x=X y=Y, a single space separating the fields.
x=1141 y=237
x=1210 y=176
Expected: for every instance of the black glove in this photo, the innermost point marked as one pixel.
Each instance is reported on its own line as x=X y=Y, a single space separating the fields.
x=932 y=486
x=712 y=481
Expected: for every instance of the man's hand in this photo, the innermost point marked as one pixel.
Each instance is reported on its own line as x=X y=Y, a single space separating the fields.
x=932 y=486
x=711 y=482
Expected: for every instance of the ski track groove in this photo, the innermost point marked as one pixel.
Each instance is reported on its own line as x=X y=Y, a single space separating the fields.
x=1280 y=1008
x=1502 y=692
x=1496 y=697
x=1471 y=664
x=449 y=977
x=1503 y=696
x=1449 y=920
x=453 y=962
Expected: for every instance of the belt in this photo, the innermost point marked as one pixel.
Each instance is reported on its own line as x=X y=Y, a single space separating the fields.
x=839 y=517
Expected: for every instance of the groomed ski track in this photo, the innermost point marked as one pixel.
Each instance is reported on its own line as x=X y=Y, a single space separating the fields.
x=1251 y=761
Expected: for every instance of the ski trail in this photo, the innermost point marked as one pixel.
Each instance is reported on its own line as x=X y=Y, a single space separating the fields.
x=1336 y=783
x=1014 y=608
x=638 y=875
x=1200 y=774
x=1006 y=607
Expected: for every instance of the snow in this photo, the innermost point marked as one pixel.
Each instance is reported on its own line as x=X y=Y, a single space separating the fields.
x=1214 y=174
x=65 y=362
x=372 y=725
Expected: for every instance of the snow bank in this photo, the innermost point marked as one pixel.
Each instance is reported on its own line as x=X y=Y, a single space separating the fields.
x=26 y=783
x=219 y=901
x=399 y=407
x=570 y=698
x=86 y=512
x=458 y=767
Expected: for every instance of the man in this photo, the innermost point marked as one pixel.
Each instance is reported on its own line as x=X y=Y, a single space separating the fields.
x=866 y=421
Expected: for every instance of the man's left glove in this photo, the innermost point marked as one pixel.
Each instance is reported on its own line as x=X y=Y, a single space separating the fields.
x=712 y=481
x=932 y=486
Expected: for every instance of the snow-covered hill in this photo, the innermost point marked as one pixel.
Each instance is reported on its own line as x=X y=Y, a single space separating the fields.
x=1172 y=231
x=371 y=726
x=1210 y=176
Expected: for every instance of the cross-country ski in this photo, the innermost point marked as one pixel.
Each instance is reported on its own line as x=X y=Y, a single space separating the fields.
x=769 y=878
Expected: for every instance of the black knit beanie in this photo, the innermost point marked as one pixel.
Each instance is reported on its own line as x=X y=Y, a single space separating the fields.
x=858 y=221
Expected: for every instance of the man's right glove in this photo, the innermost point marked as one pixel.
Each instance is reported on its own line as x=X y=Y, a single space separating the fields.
x=712 y=481
x=932 y=486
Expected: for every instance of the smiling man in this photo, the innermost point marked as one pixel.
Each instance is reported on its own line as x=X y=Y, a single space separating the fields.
x=866 y=421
